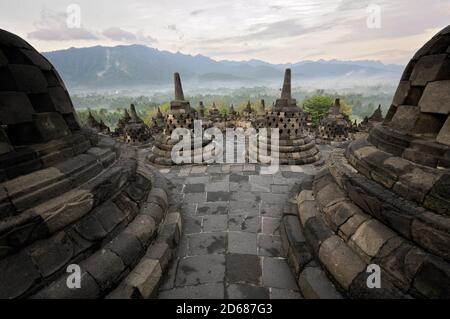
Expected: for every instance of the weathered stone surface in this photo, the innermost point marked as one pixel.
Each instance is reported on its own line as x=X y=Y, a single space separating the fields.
x=243 y=291
x=401 y=93
x=127 y=247
x=15 y=108
x=314 y=284
x=341 y=261
x=371 y=236
x=160 y=252
x=306 y=211
x=436 y=98
x=276 y=273
x=405 y=118
x=59 y=290
x=61 y=100
x=316 y=231
x=427 y=69
x=242 y=268
x=51 y=255
x=433 y=279
x=200 y=270
x=444 y=134
x=28 y=78
x=105 y=267
x=145 y=277
x=432 y=231
x=17 y=275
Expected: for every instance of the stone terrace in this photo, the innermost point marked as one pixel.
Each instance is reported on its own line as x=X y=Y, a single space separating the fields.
x=231 y=245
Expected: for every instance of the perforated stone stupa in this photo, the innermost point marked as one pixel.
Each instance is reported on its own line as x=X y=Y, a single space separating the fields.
x=180 y=115
x=68 y=196
x=385 y=200
x=295 y=147
x=334 y=127
x=135 y=130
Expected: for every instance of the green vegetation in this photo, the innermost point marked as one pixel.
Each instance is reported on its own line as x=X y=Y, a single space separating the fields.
x=109 y=108
x=318 y=106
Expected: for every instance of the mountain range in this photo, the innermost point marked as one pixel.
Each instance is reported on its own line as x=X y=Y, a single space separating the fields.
x=128 y=66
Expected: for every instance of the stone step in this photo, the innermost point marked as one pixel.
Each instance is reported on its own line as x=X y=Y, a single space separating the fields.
x=131 y=263
x=108 y=241
x=53 y=215
x=24 y=160
x=30 y=190
x=349 y=237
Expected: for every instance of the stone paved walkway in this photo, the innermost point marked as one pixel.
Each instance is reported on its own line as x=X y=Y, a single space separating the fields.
x=231 y=245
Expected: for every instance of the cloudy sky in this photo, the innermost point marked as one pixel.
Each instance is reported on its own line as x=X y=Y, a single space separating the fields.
x=277 y=31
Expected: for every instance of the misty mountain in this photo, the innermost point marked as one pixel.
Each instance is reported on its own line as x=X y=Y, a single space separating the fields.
x=137 y=65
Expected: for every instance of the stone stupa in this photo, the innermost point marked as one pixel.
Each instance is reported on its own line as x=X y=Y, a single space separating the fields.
x=180 y=115
x=385 y=200
x=135 y=130
x=69 y=196
x=295 y=147
x=334 y=127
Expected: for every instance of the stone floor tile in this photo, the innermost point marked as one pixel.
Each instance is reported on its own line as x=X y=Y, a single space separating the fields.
x=207 y=243
x=242 y=243
x=277 y=274
x=250 y=223
x=203 y=269
x=243 y=268
x=215 y=223
x=243 y=291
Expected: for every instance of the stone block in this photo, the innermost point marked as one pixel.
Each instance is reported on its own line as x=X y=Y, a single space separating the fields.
x=433 y=279
x=277 y=274
x=436 y=98
x=105 y=267
x=314 y=284
x=127 y=247
x=61 y=100
x=405 y=118
x=160 y=252
x=17 y=275
x=316 y=231
x=15 y=107
x=443 y=136
x=59 y=290
x=344 y=264
x=242 y=268
x=145 y=277
x=243 y=291
x=371 y=236
x=28 y=78
x=200 y=270
x=52 y=254
x=50 y=126
x=37 y=59
x=306 y=211
x=401 y=93
x=432 y=231
x=427 y=69
x=143 y=227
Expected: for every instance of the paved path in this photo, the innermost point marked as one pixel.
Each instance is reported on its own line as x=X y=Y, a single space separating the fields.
x=231 y=246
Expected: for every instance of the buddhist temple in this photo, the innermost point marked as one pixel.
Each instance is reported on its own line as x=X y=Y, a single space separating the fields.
x=295 y=147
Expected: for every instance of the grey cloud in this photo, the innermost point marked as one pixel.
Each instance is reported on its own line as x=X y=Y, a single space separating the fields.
x=52 y=26
x=118 y=34
x=196 y=12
